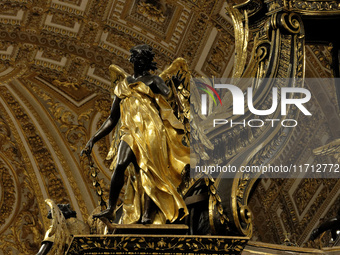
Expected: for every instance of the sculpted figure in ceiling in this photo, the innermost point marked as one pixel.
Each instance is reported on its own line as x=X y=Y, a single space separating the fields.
x=64 y=225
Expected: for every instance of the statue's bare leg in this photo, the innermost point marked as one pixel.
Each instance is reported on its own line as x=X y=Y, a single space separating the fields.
x=124 y=158
x=148 y=206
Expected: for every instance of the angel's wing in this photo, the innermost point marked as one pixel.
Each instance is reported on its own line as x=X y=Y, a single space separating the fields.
x=182 y=99
x=178 y=65
x=179 y=98
x=58 y=229
x=117 y=75
x=330 y=148
x=200 y=142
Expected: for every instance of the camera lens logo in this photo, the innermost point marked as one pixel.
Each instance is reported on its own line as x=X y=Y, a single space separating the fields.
x=205 y=87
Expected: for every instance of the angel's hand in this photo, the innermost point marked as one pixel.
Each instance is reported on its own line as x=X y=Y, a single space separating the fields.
x=178 y=79
x=87 y=151
x=88 y=148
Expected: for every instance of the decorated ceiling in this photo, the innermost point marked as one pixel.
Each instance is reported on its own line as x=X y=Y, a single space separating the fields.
x=55 y=92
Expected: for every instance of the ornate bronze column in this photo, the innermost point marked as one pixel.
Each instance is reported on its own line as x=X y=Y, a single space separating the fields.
x=278 y=40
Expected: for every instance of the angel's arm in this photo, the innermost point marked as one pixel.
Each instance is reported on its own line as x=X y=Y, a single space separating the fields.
x=107 y=126
x=110 y=122
x=162 y=87
x=45 y=248
x=330 y=224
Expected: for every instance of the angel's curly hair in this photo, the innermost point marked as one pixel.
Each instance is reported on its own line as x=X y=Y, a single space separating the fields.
x=66 y=210
x=147 y=53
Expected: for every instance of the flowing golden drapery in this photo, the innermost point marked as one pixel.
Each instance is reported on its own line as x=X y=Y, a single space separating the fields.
x=149 y=127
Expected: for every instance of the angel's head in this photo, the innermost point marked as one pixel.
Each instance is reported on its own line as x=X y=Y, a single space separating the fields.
x=142 y=57
x=66 y=210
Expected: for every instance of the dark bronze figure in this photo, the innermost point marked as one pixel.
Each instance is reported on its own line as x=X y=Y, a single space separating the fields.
x=332 y=224
x=142 y=59
x=47 y=243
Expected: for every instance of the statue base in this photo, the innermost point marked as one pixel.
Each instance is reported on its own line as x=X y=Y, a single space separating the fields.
x=155 y=239
x=164 y=229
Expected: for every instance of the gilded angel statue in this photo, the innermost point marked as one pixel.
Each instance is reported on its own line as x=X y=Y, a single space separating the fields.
x=150 y=118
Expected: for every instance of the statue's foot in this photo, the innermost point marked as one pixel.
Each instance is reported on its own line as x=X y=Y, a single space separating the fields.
x=146 y=219
x=107 y=214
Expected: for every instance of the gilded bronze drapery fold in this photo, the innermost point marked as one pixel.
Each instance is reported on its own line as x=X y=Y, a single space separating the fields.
x=155 y=135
